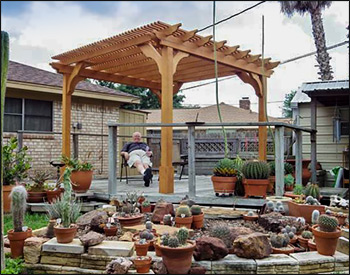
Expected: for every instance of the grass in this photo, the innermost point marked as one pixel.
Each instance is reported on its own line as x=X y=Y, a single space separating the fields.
x=32 y=220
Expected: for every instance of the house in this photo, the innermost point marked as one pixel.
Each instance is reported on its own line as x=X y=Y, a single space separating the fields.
x=332 y=100
x=34 y=105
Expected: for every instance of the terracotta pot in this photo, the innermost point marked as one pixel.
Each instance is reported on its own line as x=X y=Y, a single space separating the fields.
x=6 y=190
x=255 y=187
x=136 y=238
x=294 y=240
x=147 y=209
x=289 y=188
x=303 y=242
x=53 y=195
x=187 y=222
x=306 y=174
x=36 y=197
x=112 y=231
x=287 y=251
x=304 y=210
x=311 y=245
x=81 y=180
x=250 y=218
x=65 y=235
x=326 y=242
x=198 y=221
x=17 y=241
x=178 y=260
x=224 y=185
x=291 y=195
x=130 y=221
x=341 y=219
x=141 y=249
x=271 y=186
x=142 y=265
x=157 y=249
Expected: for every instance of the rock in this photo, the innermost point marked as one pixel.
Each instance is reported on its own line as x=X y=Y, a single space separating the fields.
x=91 y=238
x=274 y=222
x=162 y=208
x=32 y=249
x=240 y=231
x=127 y=236
x=198 y=270
x=6 y=242
x=159 y=268
x=92 y=219
x=252 y=246
x=209 y=248
x=118 y=266
x=98 y=222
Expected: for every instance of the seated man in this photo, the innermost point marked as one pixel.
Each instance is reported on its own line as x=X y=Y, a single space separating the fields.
x=138 y=154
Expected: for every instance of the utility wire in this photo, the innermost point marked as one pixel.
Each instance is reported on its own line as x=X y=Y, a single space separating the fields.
x=234 y=15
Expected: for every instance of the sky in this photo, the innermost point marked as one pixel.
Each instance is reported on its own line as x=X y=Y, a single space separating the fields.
x=39 y=30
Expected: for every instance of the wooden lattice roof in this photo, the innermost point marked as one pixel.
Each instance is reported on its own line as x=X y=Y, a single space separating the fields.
x=120 y=58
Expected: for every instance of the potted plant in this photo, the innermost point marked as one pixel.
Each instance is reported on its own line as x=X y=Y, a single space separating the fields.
x=156 y=245
x=183 y=216
x=298 y=191
x=53 y=192
x=142 y=263
x=67 y=210
x=280 y=244
x=177 y=252
x=111 y=228
x=224 y=233
x=37 y=191
x=16 y=164
x=250 y=216
x=326 y=234
x=146 y=207
x=288 y=182
x=19 y=233
x=130 y=214
x=306 y=174
x=81 y=176
x=291 y=232
x=306 y=235
x=147 y=235
x=141 y=247
x=340 y=216
x=198 y=217
x=311 y=244
x=256 y=175
x=225 y=177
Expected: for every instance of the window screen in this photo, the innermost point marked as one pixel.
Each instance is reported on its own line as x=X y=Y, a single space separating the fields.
x=13 y=114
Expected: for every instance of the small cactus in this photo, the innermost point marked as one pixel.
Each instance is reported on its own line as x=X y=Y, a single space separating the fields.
x=182 y=235
x=146 y=235
x=281 y=209
x=288 y=228
x=165 y=239
x=149 y=225
x=256 y=169
x=314 y=216
x=167 y=219
x=307 y=234
x=225 y=168
x=173 y=242
x=312 y=190
x=279 y=203
x=291 y=235
x=309 y=200
x=279 y=240
x=283 y=230
x=196 y=209
x=328 y=212
x=250 y=213
x=327 y=223
x=18 y=197
x=301 y=220
x=270 y=205
x=294 y=230
x=183 y=209
x=142 y=241
x=222 y=232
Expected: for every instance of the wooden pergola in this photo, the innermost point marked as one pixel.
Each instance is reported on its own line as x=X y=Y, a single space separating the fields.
x=160 y=57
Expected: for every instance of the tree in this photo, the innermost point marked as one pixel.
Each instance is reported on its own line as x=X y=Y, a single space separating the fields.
x=315 y=9
x=287 y=110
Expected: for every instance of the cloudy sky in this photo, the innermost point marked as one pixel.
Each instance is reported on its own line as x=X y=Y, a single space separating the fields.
x=39 y=30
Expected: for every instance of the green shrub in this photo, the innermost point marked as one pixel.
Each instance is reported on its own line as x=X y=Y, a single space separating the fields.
x=13 y=266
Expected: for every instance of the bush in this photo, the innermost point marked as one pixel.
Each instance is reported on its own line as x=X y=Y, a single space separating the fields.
x=13 y=266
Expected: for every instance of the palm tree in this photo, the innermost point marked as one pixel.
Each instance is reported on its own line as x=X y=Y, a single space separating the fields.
x=315 y=9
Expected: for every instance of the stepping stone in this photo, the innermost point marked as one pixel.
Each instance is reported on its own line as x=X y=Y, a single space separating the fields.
x=74 y=247
x=112 y=248
x=161 y=229
x=343 y=245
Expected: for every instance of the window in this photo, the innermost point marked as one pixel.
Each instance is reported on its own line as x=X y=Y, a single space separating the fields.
x=27 y=114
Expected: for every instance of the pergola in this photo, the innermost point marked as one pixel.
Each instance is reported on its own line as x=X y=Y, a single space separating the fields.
x=161 y=57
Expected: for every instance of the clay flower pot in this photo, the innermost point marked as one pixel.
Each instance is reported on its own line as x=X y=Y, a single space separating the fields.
x=110 y=231
x=224 y=185
x=198 y=221
x=130 y=221
x=157 y=249
x=17 y=241
x=142 y=264
x=250 y=218
x=312 y=246
x=255 y=187
x=65 y=235
x=341 y=218
x=283 y=250
x=178 y=260
x=6 y=190
x=36 y=197
x=289 y=187
x=147 y=209
x=81 y=180
x=291 y=195
x=303 y=242
x=326 y=242
x=187 y=222
x=53 y=195
x=136 y=238
x=294 y=240
x=141 y=249
x=304 y=210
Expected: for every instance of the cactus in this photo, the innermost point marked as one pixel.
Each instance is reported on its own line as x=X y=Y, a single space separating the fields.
x=309 y=200
x=142 y=241
x=328 y=212
x=288 y=168
x=288 y=180
x=301 y=220
x=222 y=232
x=256 y=169
x=283 y=230
x=149 y=225
x=307 y=234
x=288 y=228
x=167 y=219
x=327 y=223
x=272 y=167
x=225 y=168
x=18 y=206
x=279 y=240
x=298 y=189
x=315 y=215
x=270 y=205
x=313 y=190
x=279 y=203
x=146 y=203
x=291 y=235
x=165 y=239
x=250 y=213
x=182 y=235
x=196 y=209
x=294 y=230
x=173 y=242
x=183 y=209
x=145 y=234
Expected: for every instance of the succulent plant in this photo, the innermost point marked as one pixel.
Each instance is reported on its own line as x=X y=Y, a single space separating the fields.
x=18 y=197
x=294 y=230
x=183 y=209
x=165 y=239
x=291 y=235
x=225 y=168
x=145 y=234
x=173 y=242
x=149 y=225
x=301 y=220
x=182 y=235
x=313 y=190
x=270 y=205
x=281 y=209
x=167 y=219
x=328 y=212
x=314 y=216
x=196 y=209
x=283 y=230
x=256 y=169
x=222 y=232
x=142 y=241
x=288 y=168
x=250 y=213
x=272 y=168
x=288 y=228
x=146 y=203
x=298 y=189
x=307 y=234
x=279 y=240
x=288 y=180
x=279 y=203
x=327 y=223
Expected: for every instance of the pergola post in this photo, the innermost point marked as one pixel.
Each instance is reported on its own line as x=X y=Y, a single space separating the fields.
x=313 y=139
x=262 y=118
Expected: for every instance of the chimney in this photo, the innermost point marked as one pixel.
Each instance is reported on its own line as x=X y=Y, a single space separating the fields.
x=244 y=103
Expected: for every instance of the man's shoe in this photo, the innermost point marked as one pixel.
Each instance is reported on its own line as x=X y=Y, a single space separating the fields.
x=149 y=173
x=146 y=178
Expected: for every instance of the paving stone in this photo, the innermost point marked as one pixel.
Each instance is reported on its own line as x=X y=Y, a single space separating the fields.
x=97 y=257
x=47 y=267
x=60 y=255
x=74 y=247
x=77 y=270
x=345 y=233
x=277 y=264
x=206 y=264
x=112 y=248
x=161 y=229
x=234 y=264
x=312 y=262
x=341 y=261
x=60 y=261
x=343 y=245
